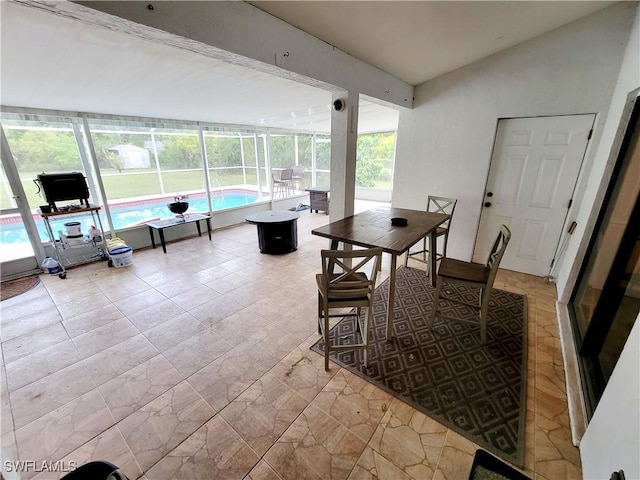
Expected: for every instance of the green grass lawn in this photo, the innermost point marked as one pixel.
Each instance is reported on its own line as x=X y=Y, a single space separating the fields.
x=137 y=184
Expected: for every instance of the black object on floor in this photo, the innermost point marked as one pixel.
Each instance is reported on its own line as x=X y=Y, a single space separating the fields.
x=98 y=470
x=487 y=467
x=446 y=373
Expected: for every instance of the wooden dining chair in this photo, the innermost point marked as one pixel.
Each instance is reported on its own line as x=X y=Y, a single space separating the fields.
x=435 y=205
x=475 y=275
x=351 y=287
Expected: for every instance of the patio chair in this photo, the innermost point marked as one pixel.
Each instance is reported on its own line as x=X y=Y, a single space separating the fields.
x=282 y=183
x=473 y=275
x=435 y=205
x=349 y=288
x=297 y=176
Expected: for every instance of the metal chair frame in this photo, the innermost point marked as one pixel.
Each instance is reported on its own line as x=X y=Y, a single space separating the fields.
x=282 y=185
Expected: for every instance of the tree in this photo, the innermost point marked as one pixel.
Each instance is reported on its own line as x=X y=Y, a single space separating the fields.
x=40 y=150
x=374 y=158
x=223 y=151
x=180 y=151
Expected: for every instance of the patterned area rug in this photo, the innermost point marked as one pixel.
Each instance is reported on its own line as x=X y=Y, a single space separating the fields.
x=11 y=288
x=478 y=391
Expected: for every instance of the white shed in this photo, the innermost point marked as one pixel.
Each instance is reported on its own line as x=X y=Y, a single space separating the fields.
x=132 y=156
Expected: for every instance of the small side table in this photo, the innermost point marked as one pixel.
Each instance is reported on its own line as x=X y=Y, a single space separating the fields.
x=319 y=199
x=277 y=230
x=160 y=225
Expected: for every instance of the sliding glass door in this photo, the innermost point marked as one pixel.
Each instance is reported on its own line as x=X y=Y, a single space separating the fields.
x=606 y=301
x=18 y=248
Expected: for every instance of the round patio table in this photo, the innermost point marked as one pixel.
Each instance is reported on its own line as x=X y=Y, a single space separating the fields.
x=277 y=230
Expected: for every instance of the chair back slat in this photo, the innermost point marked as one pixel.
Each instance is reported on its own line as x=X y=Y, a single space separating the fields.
x=350 y=282
x=286 y=174
x=298 y=171
x=442 y=205
x=497 y=251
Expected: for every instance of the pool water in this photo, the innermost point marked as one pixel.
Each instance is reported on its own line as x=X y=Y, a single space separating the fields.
x=131 y=215
x=126 y=215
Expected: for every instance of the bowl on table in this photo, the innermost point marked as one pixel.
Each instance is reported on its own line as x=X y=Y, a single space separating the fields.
x=178 y=207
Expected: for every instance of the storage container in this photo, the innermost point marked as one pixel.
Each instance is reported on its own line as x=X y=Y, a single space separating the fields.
x=121 y=256
x=73 y=229
x=51 y=266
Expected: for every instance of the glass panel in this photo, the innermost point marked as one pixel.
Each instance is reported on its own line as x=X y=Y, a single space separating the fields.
x=231 y=165
x=225 y=160
x=14 y=240
x=126 y=163
x=304 y=151
x=144 y=164
x=144 y=168
x=323 y=161
x=304 y=159
x=7 y=201
x=608 y=239
x=626 y=314
x=282 y=151
x=39 y=144
x=374 y=162
x=265 y=180
x=249 y=172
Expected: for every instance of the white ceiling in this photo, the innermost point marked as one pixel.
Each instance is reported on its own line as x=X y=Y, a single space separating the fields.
x=53 y=62
x=420 y=40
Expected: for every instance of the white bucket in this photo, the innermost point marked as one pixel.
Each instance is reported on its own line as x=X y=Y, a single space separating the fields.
x=73 y=229
x=121 y=257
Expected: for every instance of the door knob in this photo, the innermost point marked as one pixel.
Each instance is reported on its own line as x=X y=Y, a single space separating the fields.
x=487 y=204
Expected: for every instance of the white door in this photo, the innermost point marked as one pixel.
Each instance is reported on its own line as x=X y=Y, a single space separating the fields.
x=534 y=168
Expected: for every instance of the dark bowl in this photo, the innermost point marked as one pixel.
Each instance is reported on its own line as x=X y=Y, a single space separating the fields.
x=399 y=222
x=178 y=207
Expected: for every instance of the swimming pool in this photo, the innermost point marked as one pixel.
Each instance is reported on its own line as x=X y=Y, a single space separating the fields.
x=126 y=214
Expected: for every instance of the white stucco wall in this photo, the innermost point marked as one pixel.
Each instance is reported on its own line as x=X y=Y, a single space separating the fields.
x=586 y=211
x=612 y=440
x=444 y=144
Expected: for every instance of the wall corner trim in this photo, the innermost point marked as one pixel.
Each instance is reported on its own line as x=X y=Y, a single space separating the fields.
x=575 y=392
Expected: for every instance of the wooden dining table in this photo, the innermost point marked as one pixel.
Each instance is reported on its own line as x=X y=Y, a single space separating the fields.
x=373 y=228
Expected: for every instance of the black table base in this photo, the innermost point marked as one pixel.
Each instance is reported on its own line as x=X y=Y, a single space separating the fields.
x=278 y=237
x=277 y=230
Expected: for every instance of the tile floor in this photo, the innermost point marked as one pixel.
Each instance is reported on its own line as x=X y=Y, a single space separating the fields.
x=195 y=364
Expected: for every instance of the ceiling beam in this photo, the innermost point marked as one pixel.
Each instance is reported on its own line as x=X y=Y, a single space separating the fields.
x=239 y=33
